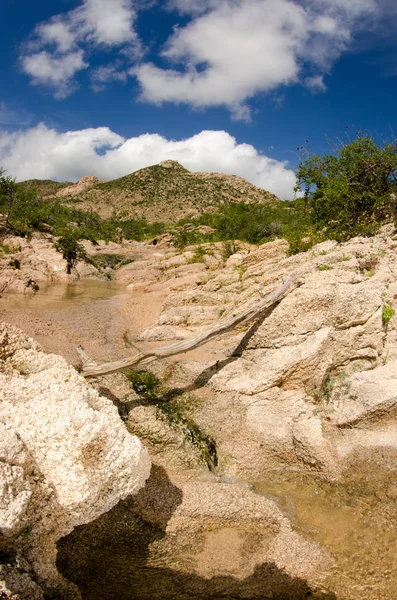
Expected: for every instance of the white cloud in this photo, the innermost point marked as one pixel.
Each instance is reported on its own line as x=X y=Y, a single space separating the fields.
x=53 y=71
x=244 y=48
x=226 y=53
x=106 y=22
x=352 y=8
x=231 y=50
x=57 y=49
x=316 y=84
x=192 y=7
x=11 y=116
x=43 y=153
x=103 y=75
x=56 y=32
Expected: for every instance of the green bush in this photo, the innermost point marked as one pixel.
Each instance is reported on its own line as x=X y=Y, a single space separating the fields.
x=229 y=247
x=253 y=223
x=113 y=261
x=139 y=229
x=71 y=250
x=352 y=191
x=388 y=313
x=143 y=382
x=198 y=255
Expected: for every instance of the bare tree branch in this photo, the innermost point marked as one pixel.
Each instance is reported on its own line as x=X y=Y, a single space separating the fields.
x=90 y=369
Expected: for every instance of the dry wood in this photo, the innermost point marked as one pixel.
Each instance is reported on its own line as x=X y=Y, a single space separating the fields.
x=90 y=369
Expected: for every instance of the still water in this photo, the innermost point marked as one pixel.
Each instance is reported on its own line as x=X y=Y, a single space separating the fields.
x=121 y=556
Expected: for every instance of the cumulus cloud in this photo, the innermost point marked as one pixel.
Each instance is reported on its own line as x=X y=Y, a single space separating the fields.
x=231 y=50
x=58 y=48
x=223 y=53
x=44 y=153
x=54 y=71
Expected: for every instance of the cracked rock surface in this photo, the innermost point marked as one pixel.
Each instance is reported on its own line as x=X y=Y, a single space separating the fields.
x=322 y=360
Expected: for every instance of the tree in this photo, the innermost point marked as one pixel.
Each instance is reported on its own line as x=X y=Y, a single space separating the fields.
x=71 y=250
x=8 y=194
x=352 y=191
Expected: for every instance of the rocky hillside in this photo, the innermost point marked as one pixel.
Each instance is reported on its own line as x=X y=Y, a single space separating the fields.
x=163 y=192
x=45 y=187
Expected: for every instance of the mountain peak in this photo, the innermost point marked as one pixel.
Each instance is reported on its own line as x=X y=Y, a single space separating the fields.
x=172 y=164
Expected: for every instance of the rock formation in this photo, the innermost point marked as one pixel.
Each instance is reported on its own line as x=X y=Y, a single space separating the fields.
x=322 y=362
x=66 y=458
x=84 y=184
x=309 y=389
x=34 y=263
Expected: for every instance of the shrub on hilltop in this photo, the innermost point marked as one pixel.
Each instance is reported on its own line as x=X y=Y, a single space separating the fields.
x=351 y=191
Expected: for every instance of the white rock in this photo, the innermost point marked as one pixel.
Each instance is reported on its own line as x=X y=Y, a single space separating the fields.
x=70 y=457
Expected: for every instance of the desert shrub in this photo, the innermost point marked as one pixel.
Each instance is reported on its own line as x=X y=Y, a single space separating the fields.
x=351 y=191
x=229 y=247
x=388 y=313
x=26 y=212
x=71 y=250
x=198 y=255
x=237 y=220
x=143 y=382
x=139 y=229
x=253 y=223
x=113 y=261
x=183 y=236
x=6 y=249
x=367 y=265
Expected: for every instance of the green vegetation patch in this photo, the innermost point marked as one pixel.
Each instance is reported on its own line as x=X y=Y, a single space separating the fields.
x=25 y=211
x=388 y=313
x=175 y=408
x=144 y=382
x=352 y=190
x=112 y=261
x=46 y=188
x=252 y=223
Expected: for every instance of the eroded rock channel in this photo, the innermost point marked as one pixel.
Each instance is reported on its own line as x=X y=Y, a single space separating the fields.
x=273 y=449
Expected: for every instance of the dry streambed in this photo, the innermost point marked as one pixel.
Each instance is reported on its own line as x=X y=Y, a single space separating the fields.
x=301 y=409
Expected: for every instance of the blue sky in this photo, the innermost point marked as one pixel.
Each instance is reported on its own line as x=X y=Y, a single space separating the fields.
x=106 y=87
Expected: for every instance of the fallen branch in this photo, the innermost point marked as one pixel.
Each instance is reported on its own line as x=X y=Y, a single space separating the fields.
x=90 y=369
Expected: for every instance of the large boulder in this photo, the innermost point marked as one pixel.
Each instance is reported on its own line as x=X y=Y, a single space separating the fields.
x=65 y=455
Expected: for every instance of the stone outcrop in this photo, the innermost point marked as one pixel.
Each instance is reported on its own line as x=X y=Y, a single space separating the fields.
x=65 y=458
x=84 y=184
x=34 y=263
x=323 y=360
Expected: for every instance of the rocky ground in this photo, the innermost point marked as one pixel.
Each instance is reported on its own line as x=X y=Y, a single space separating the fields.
x=308 y=391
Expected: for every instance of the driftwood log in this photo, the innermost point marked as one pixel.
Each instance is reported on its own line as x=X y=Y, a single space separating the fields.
x=252 y=313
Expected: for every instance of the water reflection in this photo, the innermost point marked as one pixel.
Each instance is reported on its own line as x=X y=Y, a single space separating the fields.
x=80 y=292
x=111 y=558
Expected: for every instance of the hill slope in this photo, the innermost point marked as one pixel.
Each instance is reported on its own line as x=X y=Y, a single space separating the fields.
x=163 y=192
x=46 y=188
